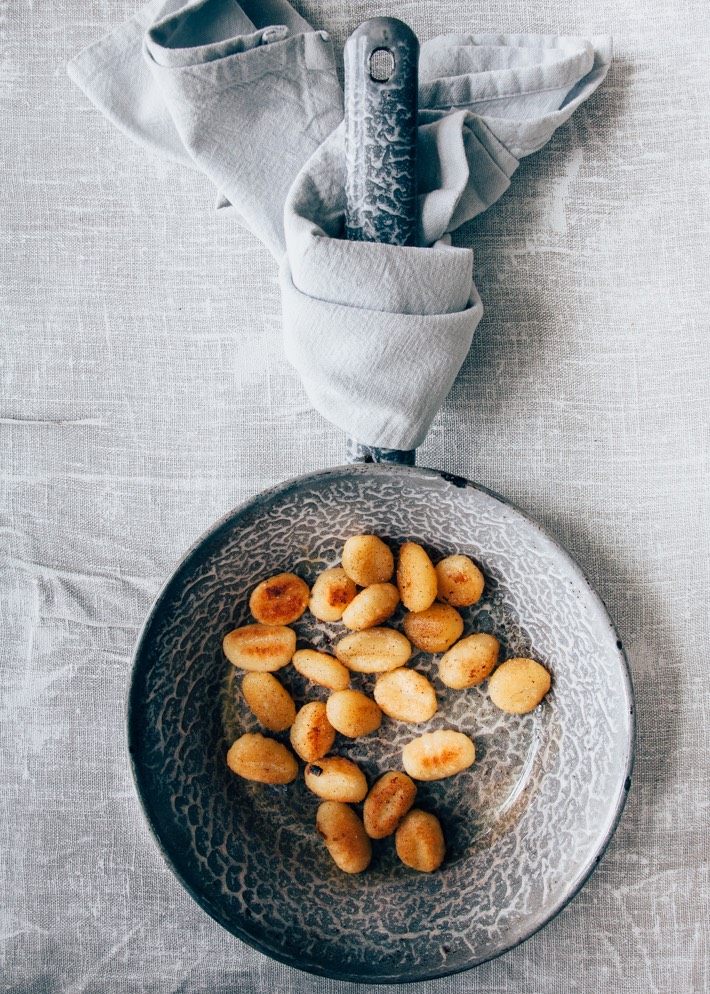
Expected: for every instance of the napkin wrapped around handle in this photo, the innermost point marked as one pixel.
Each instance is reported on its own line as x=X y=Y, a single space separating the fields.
x=249 y=94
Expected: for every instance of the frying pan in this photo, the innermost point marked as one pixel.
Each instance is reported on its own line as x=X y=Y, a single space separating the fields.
x=525 y=826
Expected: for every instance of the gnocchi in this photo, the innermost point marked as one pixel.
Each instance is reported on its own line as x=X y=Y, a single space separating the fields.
x=260 y=648
x=321 y=668
x=344 y=835
x=435 y=629
x=279 y=600
x=388 y=801
x=518 y=685
x=312 y=735
x=459 y=581
x=256 y=757
x=420 y=841
x=437 y=755
x=335 y=778
x=376 y=650
x=366 y=559
x=431 y=595
x=353 y=714
x=371 y=606
x=405 y=695
x=416 y=577
x=469 y=661
x=269 y=701
x=331 y=594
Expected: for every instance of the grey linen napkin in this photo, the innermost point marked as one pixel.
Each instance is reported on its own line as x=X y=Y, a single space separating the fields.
x=248 y=93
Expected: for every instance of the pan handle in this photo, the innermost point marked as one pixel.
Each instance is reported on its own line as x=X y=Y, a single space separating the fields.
x=357 y=452
x=381 y=88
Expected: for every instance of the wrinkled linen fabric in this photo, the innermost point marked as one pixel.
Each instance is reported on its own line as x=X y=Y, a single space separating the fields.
x=249 y=94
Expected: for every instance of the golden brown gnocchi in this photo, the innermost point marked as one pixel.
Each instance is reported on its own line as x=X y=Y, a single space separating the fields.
x=405 y=695
x=371 y=606
x=269 y=701
x=420 y=841
x=518 y=685
x=435 y=629
x=366 y=559
x=321 y=668
x=260 y=648
x=376 y=650
x=344 y=836
x=459 y=581
x=387 y=802
x=331 y=594
x=430 y=595
x=256 y=757
x=335 y=778
x=279 y=600
x=312 y=734
x=353 y=713
x=437 y=755
x=469 y=661
x=416 y=577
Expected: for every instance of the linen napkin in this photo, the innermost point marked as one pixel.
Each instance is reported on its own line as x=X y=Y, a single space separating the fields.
x=249 y=94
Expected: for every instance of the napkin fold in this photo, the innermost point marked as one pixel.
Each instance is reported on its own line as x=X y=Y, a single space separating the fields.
x=249 y=94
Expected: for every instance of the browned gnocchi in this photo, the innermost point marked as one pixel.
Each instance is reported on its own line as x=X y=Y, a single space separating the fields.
x=371 y=606
x=405 y=695
x=279 y=600
x=518 y=685
x=435 y=629
x=312 y=735
x=353 y=713
x=416 y=577
x=431 y=594
x=256 y=757
x=420 y=841
x=376 y=650
x=387 y=802
x=321 y=668
x=344 y=835
x=459 y=581
x=469 y=661
x=331 y=594
x=260 y=648
x=269 y=701
x=366 y=559
x=335 y=778
x=437 y=755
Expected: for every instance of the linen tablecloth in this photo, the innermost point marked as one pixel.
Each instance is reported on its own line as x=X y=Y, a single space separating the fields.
x=145 y=392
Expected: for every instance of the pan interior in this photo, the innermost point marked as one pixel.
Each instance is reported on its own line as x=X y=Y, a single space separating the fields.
x=523 y=826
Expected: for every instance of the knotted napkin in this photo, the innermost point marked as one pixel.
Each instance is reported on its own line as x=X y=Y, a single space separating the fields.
x=249 y=94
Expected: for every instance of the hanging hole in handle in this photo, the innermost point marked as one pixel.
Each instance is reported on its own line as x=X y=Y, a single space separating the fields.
x=381 y=65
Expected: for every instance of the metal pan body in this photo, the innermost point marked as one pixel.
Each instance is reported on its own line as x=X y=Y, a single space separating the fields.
x=524 y=826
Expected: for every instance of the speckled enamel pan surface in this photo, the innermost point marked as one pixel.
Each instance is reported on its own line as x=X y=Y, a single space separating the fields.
x=524 y=826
